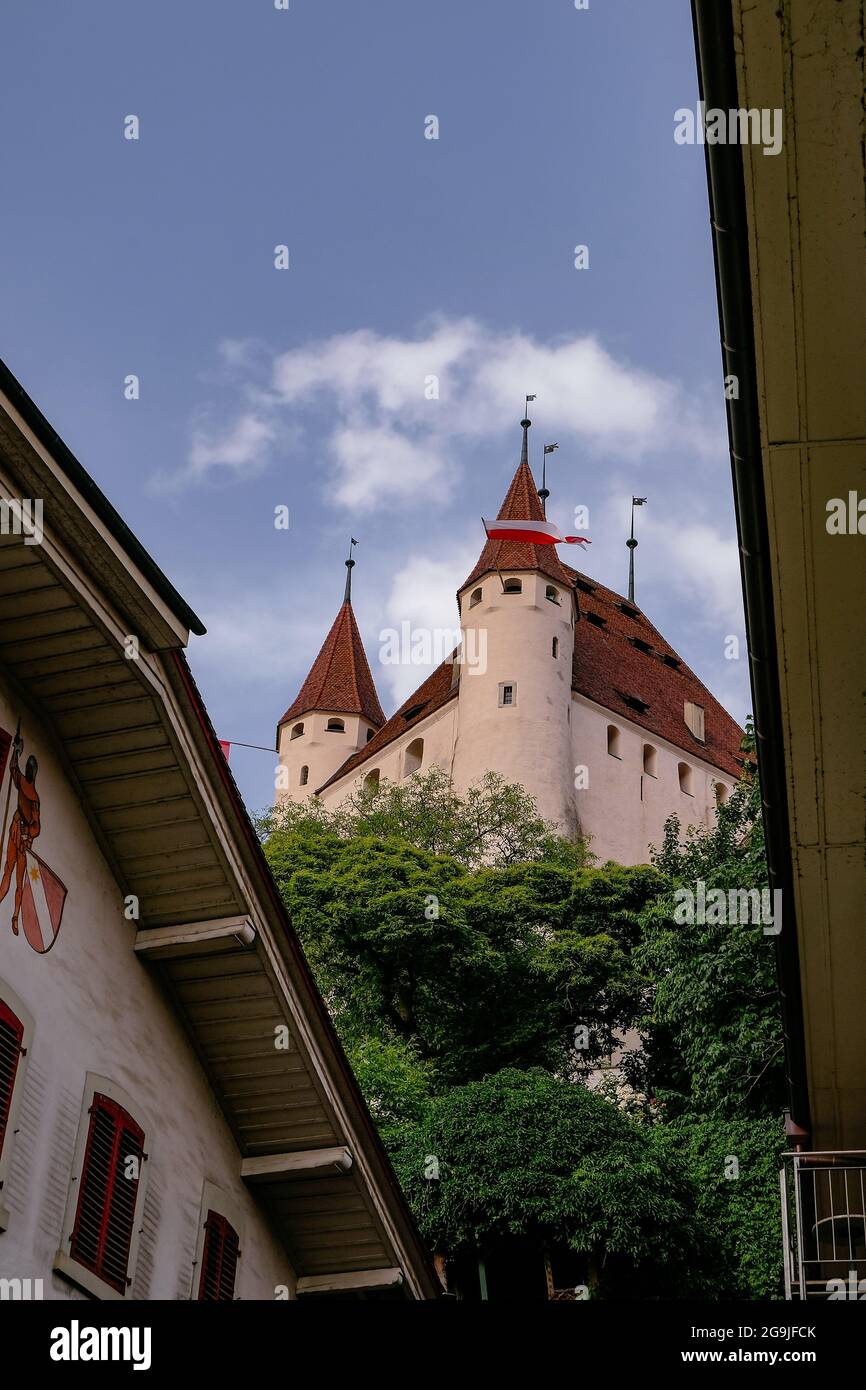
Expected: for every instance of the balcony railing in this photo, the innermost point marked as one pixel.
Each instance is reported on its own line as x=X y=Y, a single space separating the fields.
x=824 y=1224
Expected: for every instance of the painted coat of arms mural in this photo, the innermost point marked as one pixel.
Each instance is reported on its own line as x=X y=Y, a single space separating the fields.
x=38 y=894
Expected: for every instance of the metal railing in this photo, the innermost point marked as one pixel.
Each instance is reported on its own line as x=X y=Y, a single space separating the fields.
x=824 y=1224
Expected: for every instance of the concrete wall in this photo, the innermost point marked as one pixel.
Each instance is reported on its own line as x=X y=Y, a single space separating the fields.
x=318 y=749
x=623 y=808
x=437 y=733
x=96 y=1009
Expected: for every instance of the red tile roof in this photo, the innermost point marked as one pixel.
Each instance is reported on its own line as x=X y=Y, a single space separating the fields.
x=340 y=679
x=522 y=503
x=435 y=692
x=611 y=670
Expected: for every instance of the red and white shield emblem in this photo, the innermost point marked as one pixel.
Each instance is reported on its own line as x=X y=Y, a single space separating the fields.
x=41 y=904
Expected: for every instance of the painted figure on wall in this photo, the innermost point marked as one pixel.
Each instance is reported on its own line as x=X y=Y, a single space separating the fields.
x=39 y=893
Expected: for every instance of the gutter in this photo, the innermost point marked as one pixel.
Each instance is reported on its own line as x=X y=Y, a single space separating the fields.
x=717 y=81
x=112 y=520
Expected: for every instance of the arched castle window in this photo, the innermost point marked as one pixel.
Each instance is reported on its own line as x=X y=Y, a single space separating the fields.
x=650 y=760
x=555 y=647
x=686 y=778
x=721 y=793
x=513 y=586
x=613 y=741
x=370 y=733
x=414 y=757
x=371 y=781
x=551 y=593
x=297 y=730
x=335 y=726
x=305 y=775
x=475 y=597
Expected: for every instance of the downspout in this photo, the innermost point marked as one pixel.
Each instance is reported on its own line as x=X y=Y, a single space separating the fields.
x=717 y=80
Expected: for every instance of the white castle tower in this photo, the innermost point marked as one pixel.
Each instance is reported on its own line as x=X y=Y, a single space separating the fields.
x=335 y=713
x=517 y=613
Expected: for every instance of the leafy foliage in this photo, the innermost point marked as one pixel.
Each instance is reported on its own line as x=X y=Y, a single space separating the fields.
x=525 y=1152
x=712 y=1030
x=458 y=943
x=474 y=969
x=739 y=1215
x=495 y=823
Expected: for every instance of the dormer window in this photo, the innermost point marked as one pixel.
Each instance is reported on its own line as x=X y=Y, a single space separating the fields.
x=694 y=717
x=551 y=593
x=297 y=730
x=641 y=645
x=513 y=586
x=475 y=597
x=596 y=619
x=627 y=609
x=335 y=726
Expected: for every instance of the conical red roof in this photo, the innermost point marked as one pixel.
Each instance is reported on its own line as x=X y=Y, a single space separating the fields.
x=522 y=503
x=340 y=680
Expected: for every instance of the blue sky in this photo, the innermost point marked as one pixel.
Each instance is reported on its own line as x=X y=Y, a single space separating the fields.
x=408 y=258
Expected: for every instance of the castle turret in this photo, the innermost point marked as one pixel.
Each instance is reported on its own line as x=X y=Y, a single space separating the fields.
x=336 y=712
x=517 y=620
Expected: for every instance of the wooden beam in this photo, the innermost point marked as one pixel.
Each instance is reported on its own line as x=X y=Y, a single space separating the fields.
x=272 y=1167
x=359 y=1280
x=195 y=938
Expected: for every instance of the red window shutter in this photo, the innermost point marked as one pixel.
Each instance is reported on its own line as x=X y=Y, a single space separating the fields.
x=11 y=1033
x=219 y=1260
x=102 y=1233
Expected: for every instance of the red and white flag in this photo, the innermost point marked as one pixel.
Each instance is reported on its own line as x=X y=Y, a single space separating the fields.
x=532 y=532
x=41 y=903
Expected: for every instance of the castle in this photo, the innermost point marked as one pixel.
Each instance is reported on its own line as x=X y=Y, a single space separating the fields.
x=559 y=684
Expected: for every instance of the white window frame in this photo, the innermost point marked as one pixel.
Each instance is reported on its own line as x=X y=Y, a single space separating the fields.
x=63 y=1262
x=14 y=1002
x=216 y=1199
x=507 y=685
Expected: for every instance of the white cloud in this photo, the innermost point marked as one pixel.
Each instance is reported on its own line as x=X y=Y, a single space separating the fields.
x=376 y=467
x=423 y=593
x=393 y=445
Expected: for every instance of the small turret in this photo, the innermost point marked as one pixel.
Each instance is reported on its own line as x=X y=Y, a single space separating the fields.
x=335 y=713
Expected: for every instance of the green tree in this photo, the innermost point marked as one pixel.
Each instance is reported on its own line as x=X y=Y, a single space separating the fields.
x=495 y=823
x=712 y=1034
x=473 y=969
x=523 y=1153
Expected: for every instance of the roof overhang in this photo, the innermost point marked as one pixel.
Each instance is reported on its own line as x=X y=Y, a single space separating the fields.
x=788 y=233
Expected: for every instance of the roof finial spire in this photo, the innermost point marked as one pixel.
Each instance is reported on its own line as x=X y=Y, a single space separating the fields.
x=525 y=423
x=544 y=490
x=632 y=547
x=350 y=565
